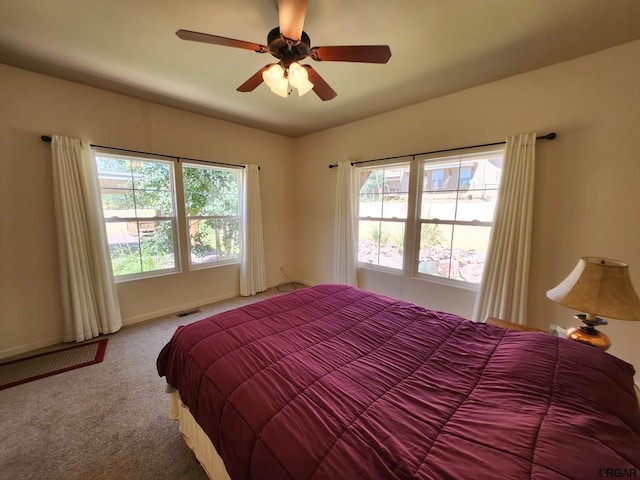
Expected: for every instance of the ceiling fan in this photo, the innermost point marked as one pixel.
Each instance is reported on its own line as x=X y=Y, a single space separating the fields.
x=290 y=44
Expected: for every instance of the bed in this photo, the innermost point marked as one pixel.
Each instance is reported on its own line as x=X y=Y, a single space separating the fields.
x=336 y=382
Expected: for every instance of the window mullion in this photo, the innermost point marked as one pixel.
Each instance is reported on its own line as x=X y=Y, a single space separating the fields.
x=412 y=228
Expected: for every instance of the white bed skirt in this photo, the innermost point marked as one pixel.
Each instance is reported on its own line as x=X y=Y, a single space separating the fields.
x=196 y=439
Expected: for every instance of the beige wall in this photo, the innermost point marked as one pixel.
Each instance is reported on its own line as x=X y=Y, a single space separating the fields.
x=587 y=180
x=32 y=105
x=586 y=185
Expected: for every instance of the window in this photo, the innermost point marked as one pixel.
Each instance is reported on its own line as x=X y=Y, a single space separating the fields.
x=382 y=212
x=138 y=203
x=212 y=208
x=453 y=198
x=142 y=213
x=455 y=216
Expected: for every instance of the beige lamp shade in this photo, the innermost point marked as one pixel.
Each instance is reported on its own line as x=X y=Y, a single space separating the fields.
x=599 y=286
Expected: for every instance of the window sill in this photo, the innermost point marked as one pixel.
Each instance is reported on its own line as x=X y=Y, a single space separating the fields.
x=378 y=268
x=134 y=277
x=473 y=287
x=205 y=266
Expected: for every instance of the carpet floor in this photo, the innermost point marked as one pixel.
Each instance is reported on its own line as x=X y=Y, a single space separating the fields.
x=105 y=422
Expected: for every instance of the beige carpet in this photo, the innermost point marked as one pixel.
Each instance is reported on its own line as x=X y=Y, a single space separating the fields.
x=108 y=421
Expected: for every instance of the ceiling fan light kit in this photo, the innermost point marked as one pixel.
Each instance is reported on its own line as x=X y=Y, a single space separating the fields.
x=281 y=81
x=290 y=44
x=274 y=78
x=297 y=75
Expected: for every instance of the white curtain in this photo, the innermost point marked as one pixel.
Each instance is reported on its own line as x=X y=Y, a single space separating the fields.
x=345 y=242
x=503 y=291
x=89 y=299
x=253 y=277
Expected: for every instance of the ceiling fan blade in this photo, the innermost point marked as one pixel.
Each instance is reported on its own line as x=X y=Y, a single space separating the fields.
x=255 y=80
x=291 y=15
x=352 y=53
x=217 y=40
x=322 y=88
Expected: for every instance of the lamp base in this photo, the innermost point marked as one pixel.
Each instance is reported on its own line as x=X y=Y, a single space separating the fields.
x=588 y=334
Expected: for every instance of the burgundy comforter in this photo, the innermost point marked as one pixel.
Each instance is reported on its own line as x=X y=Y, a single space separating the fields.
x=335 y=382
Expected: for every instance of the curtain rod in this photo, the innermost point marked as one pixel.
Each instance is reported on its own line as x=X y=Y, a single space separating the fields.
x=548 y=136
x=47 y=139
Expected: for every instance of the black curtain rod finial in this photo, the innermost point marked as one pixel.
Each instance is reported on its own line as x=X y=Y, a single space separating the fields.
x=45 y=138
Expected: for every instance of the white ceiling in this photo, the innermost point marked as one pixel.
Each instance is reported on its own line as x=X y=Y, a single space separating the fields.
x=438 y=47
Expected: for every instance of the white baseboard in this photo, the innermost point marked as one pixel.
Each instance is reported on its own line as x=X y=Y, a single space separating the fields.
x=20 y=349
x=29 y=347
x=177 y=308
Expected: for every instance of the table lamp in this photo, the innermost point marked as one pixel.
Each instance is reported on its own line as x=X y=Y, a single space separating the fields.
x=597 y=286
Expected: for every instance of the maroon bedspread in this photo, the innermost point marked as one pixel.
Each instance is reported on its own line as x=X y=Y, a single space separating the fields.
x=335 y=382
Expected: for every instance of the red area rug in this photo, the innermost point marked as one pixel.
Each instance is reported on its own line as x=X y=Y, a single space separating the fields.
x=28 y=369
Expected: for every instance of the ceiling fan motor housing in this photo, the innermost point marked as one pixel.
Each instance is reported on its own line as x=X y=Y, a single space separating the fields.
x=286 y=51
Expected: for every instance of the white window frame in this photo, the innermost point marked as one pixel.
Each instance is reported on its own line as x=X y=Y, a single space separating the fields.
x=454 y=157
x=413 y=222
x=405 y=162
x=103 y=152
x=216 y=263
